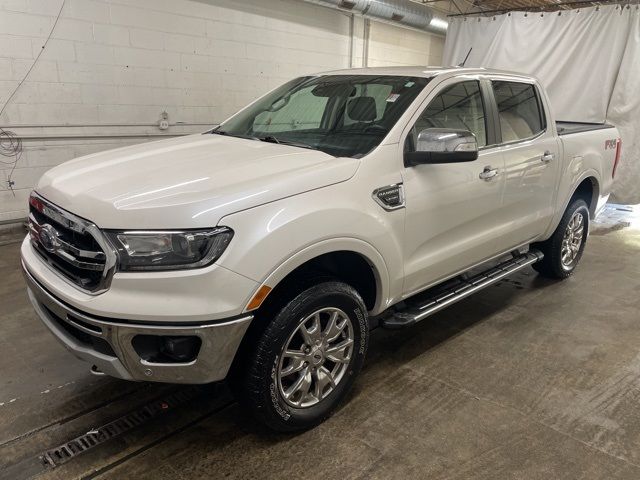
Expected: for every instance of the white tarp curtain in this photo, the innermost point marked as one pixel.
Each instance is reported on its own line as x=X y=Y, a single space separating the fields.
x=588 y=59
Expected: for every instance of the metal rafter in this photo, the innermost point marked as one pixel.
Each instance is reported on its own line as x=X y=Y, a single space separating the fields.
x=493 y=7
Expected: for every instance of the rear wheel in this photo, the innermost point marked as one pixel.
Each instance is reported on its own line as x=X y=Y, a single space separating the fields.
x=307 y=358
x=563 y=250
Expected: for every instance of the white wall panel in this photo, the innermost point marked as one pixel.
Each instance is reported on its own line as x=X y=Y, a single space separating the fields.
x=391 y=45
x=123 y=62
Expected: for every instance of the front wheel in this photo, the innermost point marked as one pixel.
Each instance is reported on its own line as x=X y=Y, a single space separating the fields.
x=307 y=358
x=563 y=250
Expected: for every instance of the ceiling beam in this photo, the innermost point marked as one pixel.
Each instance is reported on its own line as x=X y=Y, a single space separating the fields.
x=534 y=6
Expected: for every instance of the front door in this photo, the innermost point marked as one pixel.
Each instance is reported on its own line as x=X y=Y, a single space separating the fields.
x=453 y=218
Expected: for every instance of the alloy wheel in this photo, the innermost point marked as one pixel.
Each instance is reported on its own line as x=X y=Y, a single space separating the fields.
x=572 y=240
x=315 y=358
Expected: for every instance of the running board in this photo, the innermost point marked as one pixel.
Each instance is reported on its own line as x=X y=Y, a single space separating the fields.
x=462 y=289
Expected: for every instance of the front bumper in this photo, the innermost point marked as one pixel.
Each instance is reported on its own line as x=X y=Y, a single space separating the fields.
x=107 y=343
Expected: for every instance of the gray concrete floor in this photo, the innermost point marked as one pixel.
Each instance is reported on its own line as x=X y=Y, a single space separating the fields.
x=530 y=379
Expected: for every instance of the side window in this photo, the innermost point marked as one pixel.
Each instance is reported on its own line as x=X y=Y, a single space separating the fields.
x=519 y=110
x=302 y=111
x=460 y=107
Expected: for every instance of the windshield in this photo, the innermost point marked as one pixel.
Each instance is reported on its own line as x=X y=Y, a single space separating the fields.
x=342 y=115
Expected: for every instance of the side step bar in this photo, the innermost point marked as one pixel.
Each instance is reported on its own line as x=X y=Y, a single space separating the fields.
x=464 y=288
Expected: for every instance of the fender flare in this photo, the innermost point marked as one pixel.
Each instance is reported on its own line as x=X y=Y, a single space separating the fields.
x=365 y=249
x=590 y=173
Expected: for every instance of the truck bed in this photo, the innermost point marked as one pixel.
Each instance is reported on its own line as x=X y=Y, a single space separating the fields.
x=567 y=128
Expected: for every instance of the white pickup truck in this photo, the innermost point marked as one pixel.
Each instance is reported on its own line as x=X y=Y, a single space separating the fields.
x=264 y=250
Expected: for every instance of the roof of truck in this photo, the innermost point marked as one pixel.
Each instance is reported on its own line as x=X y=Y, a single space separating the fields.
x=422 y=71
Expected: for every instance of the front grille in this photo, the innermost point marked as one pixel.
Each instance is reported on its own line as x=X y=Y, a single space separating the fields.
x=69 y=244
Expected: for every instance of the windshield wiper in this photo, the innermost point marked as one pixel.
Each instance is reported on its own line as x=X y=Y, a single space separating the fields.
x=280 y=141
x=268 y=139
x=227 y=134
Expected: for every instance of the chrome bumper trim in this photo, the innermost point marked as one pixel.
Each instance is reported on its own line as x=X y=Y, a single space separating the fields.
x=220 y=341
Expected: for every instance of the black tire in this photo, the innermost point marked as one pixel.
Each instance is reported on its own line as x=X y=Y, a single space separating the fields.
x=551 y=265
x=258 y=385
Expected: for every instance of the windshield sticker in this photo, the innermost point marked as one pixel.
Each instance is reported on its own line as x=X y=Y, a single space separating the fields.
x=393 y=97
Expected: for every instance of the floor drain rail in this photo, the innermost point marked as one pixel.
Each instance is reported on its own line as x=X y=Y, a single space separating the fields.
x=65 y=452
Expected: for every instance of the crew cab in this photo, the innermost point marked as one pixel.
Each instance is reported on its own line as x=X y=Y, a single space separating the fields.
x=265 y=249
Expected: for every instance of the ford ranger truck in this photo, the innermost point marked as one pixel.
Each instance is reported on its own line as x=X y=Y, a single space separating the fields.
x=265 y=249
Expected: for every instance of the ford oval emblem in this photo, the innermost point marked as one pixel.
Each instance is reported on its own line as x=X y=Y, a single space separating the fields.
x=48 y=237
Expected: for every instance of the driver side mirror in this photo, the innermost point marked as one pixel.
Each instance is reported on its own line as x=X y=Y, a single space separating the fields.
x=442 y=145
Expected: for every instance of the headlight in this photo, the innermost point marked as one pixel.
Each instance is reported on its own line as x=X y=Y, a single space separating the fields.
x=151 y=250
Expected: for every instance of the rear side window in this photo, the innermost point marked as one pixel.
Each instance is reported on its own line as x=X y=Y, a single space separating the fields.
x=519 y=110
x=459 y=107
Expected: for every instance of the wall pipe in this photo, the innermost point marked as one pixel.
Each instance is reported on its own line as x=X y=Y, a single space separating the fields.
x=404 y=13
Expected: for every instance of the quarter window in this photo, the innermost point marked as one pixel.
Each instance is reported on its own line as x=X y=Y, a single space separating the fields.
x=459 y=107
x=519 y=110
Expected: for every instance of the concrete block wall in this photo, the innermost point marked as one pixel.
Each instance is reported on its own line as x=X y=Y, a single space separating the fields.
x=113 y=66
x=392 y=45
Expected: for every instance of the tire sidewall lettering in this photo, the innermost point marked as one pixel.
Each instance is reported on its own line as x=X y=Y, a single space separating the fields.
x=363 y=326
x=274 y=394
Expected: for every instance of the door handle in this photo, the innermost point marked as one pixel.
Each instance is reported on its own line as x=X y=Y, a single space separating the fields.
x=547 y=157
x=488 y=173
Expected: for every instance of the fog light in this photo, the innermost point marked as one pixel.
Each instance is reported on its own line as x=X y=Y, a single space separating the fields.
x=181 y=349
x=167 y=349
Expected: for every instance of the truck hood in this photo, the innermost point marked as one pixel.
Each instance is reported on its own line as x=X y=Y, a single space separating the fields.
x=188 y=182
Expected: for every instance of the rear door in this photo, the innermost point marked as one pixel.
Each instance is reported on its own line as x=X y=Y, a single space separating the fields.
x=531 y=158
x=453 y=218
